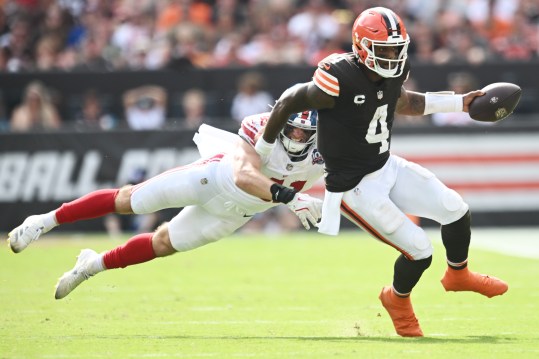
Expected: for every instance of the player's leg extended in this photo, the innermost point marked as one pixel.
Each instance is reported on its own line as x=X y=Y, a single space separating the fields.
x=417 y=191
x=369 y=207
x=139 y=249
x=191 y=228
x=91 y=205
x=174 y=188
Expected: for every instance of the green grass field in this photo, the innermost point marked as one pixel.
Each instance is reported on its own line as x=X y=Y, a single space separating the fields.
x=295 y=296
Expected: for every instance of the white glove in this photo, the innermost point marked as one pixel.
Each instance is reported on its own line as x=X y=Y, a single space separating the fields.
x=264 y=149
x=307 y=208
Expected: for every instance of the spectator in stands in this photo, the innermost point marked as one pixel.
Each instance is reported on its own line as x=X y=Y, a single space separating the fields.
x=47 y=52
x=56 y=23
x=18 y=45
x=314 y=25
x=521 y=44
x=251 y=98
x=36 y=112
x=145 y=107
x=457 y=41
x=92 y=115
x=218 y=33
x=67 y=59
x=4 y=58
x=91 y=55
x=191 y=47
x=4 y=28
x=133 y=31
x=226 y=51
x=175 y=12
x=194 y=108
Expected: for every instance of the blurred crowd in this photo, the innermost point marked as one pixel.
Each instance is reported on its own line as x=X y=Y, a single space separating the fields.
x=66 y=36
x=102 y=35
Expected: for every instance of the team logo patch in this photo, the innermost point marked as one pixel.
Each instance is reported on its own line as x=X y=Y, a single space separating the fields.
x=204 y=181
x=317 y=158
x=380 y=94
x=289 y=167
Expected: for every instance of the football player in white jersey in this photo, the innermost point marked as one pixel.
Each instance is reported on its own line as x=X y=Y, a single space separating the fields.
x=219 y=193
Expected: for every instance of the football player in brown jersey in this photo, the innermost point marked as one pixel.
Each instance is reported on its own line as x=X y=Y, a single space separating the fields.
x=357 y=95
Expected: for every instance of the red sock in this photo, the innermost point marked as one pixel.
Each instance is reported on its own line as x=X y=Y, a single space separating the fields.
x=136 y=250
x=94 y=204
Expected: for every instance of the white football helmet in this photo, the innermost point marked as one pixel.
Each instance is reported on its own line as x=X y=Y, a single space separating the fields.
x=298 y=148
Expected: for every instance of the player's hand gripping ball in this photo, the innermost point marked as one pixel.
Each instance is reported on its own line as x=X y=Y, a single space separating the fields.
x=499 y=101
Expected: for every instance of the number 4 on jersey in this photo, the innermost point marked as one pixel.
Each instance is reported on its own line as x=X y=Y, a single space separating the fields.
x=380 y=116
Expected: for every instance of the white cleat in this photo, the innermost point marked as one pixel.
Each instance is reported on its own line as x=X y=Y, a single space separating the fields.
x=71 y=279
x=26 y=233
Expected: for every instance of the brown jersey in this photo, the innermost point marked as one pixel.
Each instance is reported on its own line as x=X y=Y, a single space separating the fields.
x=354 y=136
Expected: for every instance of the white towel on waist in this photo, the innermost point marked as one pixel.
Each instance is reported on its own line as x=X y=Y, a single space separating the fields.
x=331 y=213
x=211 y=140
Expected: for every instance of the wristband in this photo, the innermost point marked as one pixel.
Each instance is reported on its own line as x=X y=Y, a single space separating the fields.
x=282 y=194
x=262 y=147
x=445 y=101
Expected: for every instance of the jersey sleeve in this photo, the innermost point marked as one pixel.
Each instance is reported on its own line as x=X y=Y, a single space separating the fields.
x=252 y=126
x=324 y=79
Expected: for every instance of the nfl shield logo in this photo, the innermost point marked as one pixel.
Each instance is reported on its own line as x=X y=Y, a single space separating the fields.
x=380 y=94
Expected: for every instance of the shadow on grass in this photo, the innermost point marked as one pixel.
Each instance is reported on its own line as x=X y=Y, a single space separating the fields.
x=426 y=340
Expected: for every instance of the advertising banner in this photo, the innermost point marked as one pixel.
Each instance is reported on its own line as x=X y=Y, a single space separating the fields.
x=497 y=173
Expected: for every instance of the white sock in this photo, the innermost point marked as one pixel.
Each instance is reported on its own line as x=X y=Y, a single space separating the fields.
x=96 y=265
x=49 y=221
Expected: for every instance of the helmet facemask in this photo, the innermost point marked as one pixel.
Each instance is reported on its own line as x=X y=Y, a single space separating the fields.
x=297 y=147
x=383 y=66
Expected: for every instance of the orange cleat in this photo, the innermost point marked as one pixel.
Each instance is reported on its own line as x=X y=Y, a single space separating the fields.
x=401 y=312
x=466 y=280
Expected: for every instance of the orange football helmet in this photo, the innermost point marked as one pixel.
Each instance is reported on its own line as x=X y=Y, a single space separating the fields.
x=376 y=31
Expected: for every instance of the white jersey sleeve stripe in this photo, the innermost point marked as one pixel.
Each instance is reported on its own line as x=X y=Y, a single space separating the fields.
x=326 y=82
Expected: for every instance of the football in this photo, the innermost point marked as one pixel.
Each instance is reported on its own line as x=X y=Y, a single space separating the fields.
x=499 y=101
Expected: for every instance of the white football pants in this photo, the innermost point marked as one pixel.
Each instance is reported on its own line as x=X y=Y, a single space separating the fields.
x=381 y=200
x=209 y=213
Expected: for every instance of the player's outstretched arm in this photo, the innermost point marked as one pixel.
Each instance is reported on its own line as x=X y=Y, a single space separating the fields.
x=247 y=175
x=413 y=103
x=249 y=178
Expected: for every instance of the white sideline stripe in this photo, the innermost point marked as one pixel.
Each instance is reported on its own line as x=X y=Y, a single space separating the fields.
x=517 y=242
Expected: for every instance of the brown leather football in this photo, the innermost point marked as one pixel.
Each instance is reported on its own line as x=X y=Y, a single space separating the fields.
x=499 y=101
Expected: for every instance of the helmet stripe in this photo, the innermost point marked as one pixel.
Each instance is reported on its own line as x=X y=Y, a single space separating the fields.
x=392 y=23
